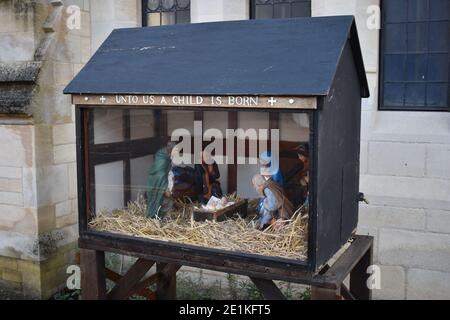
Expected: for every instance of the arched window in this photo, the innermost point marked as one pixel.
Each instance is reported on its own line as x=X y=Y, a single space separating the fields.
x=273 y=9
x=165 y=12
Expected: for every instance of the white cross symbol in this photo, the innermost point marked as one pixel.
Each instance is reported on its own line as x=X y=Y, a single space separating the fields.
x=103 y=99
x=272 y=101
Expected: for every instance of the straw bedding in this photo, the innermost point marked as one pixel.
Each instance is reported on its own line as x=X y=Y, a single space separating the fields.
x=287 y=240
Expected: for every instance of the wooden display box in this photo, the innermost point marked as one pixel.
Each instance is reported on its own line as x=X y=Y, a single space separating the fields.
x=219 y=71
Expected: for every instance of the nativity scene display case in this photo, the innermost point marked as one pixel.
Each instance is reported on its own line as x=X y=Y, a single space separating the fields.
x=251 y=169
x=246 y=192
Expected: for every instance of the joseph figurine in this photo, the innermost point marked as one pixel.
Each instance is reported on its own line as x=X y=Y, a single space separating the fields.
x=273 y=205
x=158 y=182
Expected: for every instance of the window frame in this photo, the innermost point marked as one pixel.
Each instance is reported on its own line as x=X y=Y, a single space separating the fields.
x=253 y=4
x=381 y=105
x=145 y=11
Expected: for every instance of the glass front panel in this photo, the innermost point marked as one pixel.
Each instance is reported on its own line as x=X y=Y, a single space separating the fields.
x=109 y=185
x=230 y=180
x=108 y=126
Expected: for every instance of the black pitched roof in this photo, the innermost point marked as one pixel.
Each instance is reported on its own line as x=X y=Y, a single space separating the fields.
x=291 y=57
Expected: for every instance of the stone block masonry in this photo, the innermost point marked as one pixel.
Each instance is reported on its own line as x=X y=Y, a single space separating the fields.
x=38 y=189
x=38 y=211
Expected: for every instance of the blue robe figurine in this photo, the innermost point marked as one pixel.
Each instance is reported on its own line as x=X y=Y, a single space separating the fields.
x=157 y=182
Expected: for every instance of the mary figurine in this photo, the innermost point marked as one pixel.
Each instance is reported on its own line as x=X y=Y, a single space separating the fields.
x=158 y=182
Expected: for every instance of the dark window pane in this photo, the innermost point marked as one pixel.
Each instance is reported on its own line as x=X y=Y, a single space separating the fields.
x=439 y=36
x=166 y=12
x=417 y=10
x=437 y=94
x=301 y=9
x=395 y=10
x=282 y=10
x=395 y=38
x=437 y=67
x=394 y=67
x=269 y=9
x=153 y=4
x=264 y=11
x=415 y=95
x=183 y=4
x=418 y=37
x=416 y=54
x=439 y=9
x=167 y=18
x=168 y=4
x=393 y=94
x=416 y=67
x=183 y=17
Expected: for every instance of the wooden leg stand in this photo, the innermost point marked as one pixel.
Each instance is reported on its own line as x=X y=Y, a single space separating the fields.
x=354 y=262
x=166 y=287
x=359 y=276
x=93 y=280
x=328 y=284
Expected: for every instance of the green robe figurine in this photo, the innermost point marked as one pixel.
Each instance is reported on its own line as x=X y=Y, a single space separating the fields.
x=157 y=182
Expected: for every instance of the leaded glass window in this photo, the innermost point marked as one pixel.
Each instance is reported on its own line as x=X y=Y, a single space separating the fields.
x=165 y=12
x=415 y=55
x=270 y=9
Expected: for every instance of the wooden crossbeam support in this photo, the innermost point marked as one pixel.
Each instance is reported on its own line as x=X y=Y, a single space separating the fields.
x=346 y=294
x=268 y=288
x=142 y=287
x=318 y=293
x=140 y=291
x=112 y=275
x=125 y=285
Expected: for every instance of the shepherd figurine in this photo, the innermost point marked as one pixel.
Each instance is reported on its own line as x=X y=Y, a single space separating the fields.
x=269 y=169
x=273 y=205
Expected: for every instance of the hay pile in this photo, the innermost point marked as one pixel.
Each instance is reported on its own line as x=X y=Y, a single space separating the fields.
x=289 y=240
